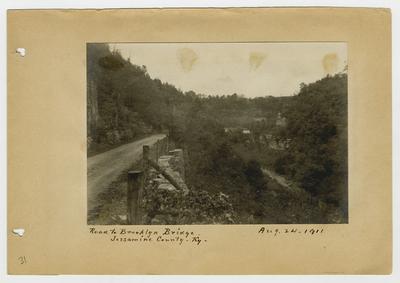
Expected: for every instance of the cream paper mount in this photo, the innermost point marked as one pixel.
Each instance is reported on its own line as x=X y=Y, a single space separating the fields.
x=47 y=147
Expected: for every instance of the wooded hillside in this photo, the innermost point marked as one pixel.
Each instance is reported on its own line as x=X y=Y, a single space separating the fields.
x=229 y=139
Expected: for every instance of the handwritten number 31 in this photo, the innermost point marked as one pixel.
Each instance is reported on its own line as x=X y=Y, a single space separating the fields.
x=22 y=259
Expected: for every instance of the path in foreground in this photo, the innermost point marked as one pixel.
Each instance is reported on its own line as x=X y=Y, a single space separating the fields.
x=281 y=180
x=104 y=168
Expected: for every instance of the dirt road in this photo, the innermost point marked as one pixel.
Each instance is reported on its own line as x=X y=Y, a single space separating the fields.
x=282 y=181
x=105 y=167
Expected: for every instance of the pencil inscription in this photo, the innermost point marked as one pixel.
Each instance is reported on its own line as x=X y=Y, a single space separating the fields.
x=164 y=235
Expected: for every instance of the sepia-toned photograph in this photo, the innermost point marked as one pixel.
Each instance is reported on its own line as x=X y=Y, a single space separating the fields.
x=217 y=133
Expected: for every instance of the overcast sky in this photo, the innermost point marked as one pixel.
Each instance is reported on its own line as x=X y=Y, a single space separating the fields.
x=251 y=69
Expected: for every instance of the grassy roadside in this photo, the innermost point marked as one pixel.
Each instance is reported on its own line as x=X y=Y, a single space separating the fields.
x=112 y=203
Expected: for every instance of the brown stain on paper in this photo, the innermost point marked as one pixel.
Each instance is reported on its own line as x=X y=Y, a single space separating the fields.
x=330 y=63
x=256 y=59
x=187 y=58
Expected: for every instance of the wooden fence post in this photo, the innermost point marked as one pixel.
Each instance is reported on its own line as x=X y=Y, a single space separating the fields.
x=145 y=165
x=157 y=150
x=135 y=184
x=168 y=147
x=161 y=147
x=166 y=144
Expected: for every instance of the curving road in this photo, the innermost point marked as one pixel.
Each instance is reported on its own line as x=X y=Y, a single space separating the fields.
x=104 y=168
x=281 y=180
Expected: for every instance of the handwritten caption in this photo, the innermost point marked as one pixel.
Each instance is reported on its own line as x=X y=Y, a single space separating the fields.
x=180 y=236
x=275 y=232
x=165 y=235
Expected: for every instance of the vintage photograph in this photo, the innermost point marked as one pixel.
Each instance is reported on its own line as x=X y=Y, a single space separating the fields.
x=217 y=133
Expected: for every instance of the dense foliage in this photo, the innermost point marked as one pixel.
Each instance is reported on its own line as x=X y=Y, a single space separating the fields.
x=124 y=103
x=317 y=130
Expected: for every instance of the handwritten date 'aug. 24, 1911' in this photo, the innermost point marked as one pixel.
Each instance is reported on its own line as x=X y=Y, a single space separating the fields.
x=180 y=236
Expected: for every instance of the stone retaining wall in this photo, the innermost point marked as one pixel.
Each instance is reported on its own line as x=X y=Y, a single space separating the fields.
x=164 y=204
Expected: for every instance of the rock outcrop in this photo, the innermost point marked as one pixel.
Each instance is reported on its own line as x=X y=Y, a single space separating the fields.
x=164 y=204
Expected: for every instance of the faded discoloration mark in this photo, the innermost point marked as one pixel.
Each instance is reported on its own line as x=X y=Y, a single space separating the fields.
x=82 y=146
x=256 y=59
x=330 y=62
x=187 y=58
x=225 y=79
